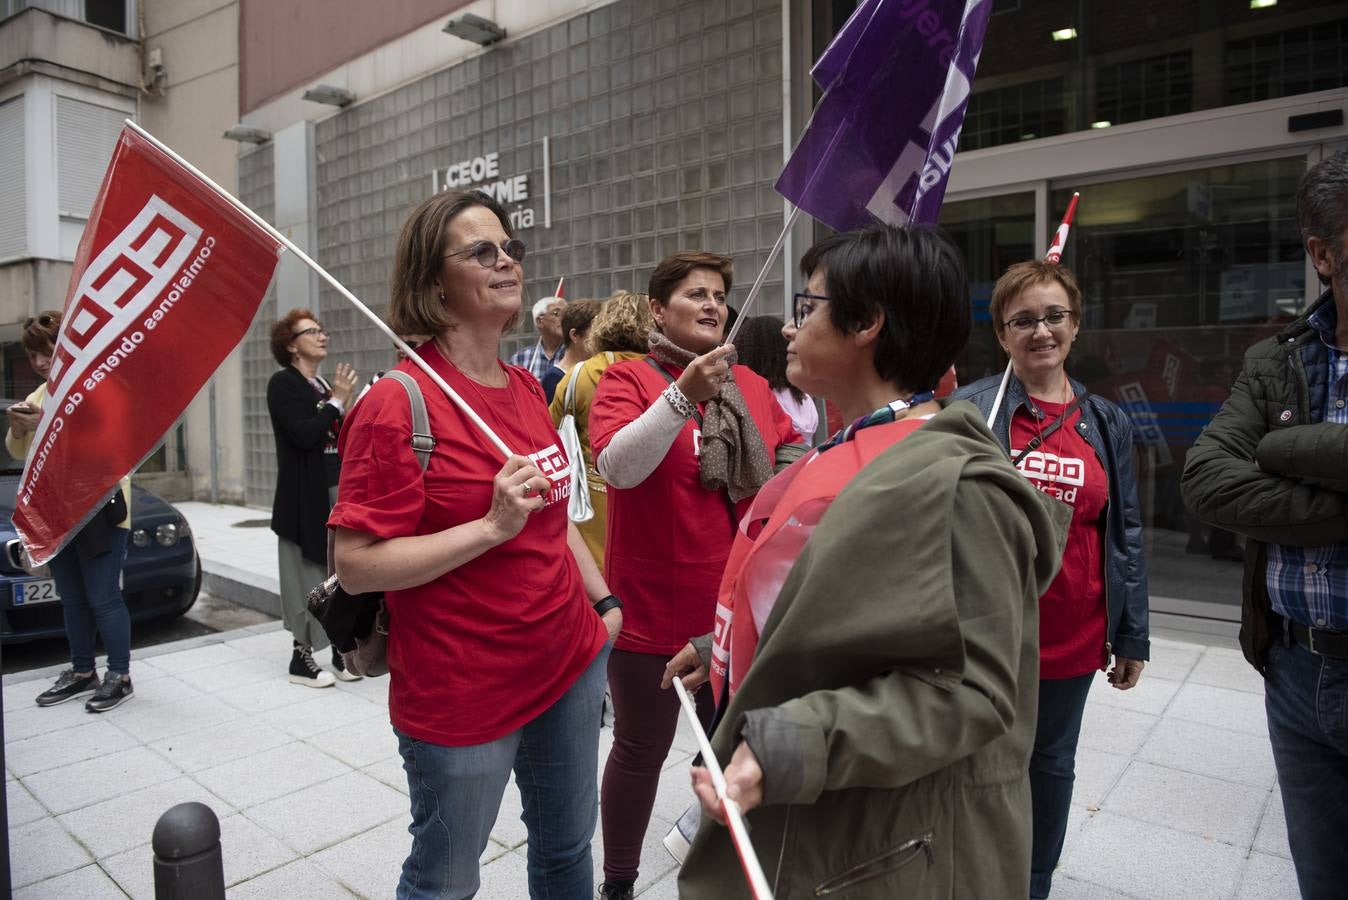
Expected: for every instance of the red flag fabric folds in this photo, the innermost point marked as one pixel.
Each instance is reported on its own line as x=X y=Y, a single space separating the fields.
x=167 y=278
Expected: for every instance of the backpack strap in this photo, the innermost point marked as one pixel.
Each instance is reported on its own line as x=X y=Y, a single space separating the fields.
x=423 y=442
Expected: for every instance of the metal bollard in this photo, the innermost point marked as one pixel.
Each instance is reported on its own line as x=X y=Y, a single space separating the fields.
x=187 y=860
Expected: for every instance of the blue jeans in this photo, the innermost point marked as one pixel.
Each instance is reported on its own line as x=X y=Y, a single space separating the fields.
x=1306 y=698
x=1053 y=767
x=91 y=599
x=456 y=795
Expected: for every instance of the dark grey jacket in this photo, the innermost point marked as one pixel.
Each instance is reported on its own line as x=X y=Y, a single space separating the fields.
x=1107 y=429
x=1265 y=468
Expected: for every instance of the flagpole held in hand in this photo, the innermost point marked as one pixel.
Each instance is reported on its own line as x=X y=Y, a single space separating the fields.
x=337 y=285
x=739 y=833
x=763 y=274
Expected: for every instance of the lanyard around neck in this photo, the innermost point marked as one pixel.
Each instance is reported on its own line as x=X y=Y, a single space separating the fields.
x=882 y=416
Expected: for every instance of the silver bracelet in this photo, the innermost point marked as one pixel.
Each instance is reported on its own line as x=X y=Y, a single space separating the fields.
x=682 y=405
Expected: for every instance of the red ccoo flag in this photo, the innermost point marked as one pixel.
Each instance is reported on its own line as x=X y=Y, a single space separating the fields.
x=168 y=276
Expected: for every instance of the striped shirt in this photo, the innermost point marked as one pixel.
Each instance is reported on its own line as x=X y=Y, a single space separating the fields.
x=536 y=359
x=1310 y=584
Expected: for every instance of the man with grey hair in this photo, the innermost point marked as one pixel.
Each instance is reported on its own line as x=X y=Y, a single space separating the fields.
x=548 y=351
x=1273 y=466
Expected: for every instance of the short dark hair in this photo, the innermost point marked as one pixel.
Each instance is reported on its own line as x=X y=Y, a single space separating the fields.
x=415 y=306
x=1322 y=205
x=283 y=334
x=915 y=277
x=675 y=268
x=577 y=316
x=761 y=346
x=40 y=331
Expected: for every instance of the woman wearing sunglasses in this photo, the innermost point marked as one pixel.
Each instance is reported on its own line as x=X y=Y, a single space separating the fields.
x=683 y=438
x=499 y=620
x=875 y=642
x=1077 y=447
x=306 y=415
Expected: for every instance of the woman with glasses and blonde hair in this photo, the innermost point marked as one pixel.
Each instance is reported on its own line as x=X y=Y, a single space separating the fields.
x=306 y=417
x=88 y=570
x=1077 y=447
x=498 y=619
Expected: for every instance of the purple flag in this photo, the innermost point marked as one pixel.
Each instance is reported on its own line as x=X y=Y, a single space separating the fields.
x=896 y=82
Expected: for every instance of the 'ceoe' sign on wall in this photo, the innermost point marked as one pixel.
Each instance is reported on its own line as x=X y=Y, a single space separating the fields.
x=484 y=174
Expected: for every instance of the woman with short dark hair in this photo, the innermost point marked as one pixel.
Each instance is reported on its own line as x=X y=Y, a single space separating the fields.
x=1077 y=447
x=877 y=717
x=683 y=438
x=498 y=620
x=306 y=417
x=88 y=569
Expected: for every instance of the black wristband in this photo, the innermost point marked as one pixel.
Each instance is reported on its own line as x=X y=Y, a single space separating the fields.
x=607 y=603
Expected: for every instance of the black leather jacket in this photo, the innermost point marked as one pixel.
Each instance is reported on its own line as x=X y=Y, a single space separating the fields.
x=1108 y=430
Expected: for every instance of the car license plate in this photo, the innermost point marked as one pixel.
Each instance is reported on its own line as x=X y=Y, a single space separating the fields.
x=30 y=593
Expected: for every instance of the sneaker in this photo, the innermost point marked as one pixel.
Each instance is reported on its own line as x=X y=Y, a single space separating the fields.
x=303 y=670
x=680 y=837
x=339 y=668
x=68 y=686
x=112 y=693
x=616 y=890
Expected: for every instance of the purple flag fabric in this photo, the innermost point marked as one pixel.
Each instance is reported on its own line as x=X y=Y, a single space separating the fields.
x=882 y=140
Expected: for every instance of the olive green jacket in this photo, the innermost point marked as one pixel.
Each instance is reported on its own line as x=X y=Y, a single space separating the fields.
x=892 y=699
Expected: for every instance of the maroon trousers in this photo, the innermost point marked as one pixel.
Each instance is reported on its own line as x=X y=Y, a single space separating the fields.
x=644 y=720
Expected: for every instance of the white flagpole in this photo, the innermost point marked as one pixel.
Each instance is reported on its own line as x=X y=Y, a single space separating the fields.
x=1001 y=394
x=340 y=288
x=763 y=275
x=739 y=834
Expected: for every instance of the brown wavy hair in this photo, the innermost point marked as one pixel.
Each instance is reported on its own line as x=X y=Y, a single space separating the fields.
x=40 y=331
x=623 y=324
x=283 y=334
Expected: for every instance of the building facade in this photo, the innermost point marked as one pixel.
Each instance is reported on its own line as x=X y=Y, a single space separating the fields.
x=618 y=131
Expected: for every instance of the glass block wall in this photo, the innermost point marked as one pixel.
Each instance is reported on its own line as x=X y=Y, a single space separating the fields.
x=256 y=184
x=664 y=127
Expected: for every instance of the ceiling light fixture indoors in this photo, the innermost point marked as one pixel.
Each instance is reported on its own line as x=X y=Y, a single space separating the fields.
x=329 y=94
x=476 y=29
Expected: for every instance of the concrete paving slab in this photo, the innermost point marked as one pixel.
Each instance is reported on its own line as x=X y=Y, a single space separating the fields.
x=1148 y=860
x=97 y=736
x=166 y=708
x=1217 y=752
x=88 y=883
x=22 y=806
x=666 y=887
x=505 y=878
x=654 y=862
x=246 y=670
x=315 y=715
x=362 y=744
x=249 y=849
x=1114 y=730
x=206 y=657
x=42 y=850
x=1222 y=707
x=389 y=772
x=115 y=825
x=1272 y=835
x=30 y=720
x=1171 y=660
x=1149 y=695
x=298 y=880
x=329 y=812
x=1268 y=878
x=266 y=694
x=370 y=863
x=274 y=645
x=1182 y=801
x=95 y=780
x=1097 y=773
x=1220 y=667
x=245 y=783
x=219 y=744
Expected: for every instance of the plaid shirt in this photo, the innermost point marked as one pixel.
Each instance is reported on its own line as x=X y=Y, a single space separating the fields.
x=536 y=359
x=1310 y=584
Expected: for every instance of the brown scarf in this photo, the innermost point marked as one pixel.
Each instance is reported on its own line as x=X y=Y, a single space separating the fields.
x=734 y=456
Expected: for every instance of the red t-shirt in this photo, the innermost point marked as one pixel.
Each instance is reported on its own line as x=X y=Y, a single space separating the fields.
x=488 y=646
x=668 y=537
x=1072 y=611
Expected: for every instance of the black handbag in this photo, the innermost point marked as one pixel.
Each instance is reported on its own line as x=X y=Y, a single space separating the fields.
x=357 y=624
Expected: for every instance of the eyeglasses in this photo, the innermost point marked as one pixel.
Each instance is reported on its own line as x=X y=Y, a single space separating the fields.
x=1029 y=323
x=314 y=330
x=486 y=253
x=46 y=320
x=803 y=304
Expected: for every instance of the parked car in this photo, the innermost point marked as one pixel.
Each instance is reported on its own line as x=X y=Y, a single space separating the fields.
x=161 y=577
